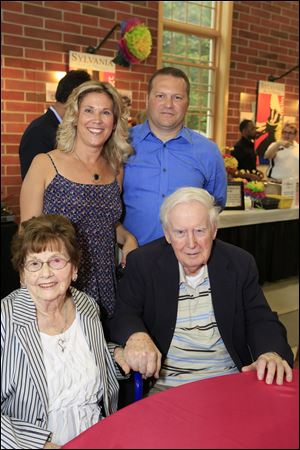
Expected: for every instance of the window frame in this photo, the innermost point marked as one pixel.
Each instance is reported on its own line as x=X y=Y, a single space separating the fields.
x=221 y=34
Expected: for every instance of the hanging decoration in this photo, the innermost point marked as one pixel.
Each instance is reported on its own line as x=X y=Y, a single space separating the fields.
x=135 y=43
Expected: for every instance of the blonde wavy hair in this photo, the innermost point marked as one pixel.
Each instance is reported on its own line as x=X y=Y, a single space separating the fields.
x=116 y=150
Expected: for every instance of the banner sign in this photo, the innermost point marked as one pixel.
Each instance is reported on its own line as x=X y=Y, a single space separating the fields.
x=99 y=67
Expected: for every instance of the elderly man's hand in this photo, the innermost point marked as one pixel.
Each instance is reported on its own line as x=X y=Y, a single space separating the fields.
x=271 y=365
x=142 y=355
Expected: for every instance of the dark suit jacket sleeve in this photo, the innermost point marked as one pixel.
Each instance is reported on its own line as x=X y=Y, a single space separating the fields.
x=33 y=146
x=39 y=137
x=265 y=332
x=128 y=317
x=246 y=322
x=148 y=296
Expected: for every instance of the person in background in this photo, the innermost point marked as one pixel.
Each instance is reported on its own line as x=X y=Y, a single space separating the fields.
x=167 y=156
x=283 y=155
x=57 y=374
x=40 y=135
x=244 y=148
x=82 y=180
x=190 y=306
x=140 y=117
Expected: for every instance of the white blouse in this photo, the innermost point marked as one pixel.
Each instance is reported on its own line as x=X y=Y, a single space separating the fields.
x=74 y=384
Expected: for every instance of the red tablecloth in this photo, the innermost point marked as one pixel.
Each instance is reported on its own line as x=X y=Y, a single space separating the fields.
x=232 y=411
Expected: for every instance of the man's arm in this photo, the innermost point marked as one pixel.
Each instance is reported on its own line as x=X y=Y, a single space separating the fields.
x=140 y=354
x=271 y=366
x=266 y=335
x=217 y=184
x=273 y=148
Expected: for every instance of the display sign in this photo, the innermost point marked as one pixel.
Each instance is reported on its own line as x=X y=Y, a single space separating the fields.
x=235 y=195
x=101 y=68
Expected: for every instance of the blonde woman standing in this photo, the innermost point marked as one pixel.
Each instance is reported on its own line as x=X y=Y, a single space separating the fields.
x=82 y=180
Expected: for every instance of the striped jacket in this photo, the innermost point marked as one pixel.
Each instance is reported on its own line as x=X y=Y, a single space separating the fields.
x=24 y=392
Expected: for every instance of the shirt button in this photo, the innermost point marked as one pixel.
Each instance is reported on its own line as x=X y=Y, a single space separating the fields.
x=164 y=145
x=164 y=170
x=163 y=195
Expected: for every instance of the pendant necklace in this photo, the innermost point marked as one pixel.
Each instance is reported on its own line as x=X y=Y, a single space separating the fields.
x=62 y=341
x=95 y=176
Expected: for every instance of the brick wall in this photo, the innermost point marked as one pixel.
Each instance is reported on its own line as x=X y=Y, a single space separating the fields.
x=36 y=39
x=265 y=39
x=37 y=36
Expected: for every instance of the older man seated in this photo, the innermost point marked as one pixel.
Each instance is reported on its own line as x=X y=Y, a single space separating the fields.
x=190 y=307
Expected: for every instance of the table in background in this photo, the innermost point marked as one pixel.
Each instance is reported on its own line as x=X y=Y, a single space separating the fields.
x=271 y=236
x=232 y=411
x=9 y=277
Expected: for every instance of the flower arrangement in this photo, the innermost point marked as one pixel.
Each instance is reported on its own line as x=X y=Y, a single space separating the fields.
x=135 y=43
x=255 y=189
x=231 y=164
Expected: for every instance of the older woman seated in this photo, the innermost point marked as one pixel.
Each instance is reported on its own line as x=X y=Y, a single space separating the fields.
x=58 y=377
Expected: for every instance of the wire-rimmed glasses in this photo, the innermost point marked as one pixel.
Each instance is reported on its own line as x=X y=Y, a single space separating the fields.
x=56 y=263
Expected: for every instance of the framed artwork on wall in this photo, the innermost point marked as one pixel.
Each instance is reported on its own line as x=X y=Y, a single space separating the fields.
x=269 y=115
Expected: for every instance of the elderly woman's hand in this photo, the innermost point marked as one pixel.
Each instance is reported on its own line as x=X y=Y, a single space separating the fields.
x=51 y=445
x=270 y=365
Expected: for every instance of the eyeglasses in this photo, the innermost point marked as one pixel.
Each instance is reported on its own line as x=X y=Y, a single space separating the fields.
x=56 y=263
x=289 y=132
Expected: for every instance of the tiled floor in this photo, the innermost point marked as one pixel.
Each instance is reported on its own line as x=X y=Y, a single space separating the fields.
x=283 y=297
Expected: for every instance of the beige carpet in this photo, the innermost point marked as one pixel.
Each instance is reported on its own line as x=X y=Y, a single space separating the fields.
x=283 y=297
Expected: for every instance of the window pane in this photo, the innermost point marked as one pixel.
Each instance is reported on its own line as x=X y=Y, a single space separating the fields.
x=187 y=48
x=201 y=107
x=194 y=54
x=191 y=12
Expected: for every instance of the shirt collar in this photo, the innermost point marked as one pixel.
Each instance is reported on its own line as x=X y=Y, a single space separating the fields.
x=56 y=114
x=144 y=130
x=182 y=275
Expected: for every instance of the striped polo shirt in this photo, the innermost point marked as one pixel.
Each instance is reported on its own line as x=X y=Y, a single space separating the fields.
x=197 y=350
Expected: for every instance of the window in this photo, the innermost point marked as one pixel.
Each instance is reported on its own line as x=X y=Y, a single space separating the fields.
x=190 y=39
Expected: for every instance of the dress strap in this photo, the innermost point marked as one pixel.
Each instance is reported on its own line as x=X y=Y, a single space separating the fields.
x=52 y=162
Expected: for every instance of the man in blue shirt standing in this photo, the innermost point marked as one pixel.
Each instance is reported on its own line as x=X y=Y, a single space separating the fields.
x=167 y=156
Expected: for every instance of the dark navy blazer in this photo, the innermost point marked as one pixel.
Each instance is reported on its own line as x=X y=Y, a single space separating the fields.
x=147 y=301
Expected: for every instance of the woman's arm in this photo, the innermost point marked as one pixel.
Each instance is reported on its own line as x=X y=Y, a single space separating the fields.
x=33 y=187
x=120 y=178
x=126 y=241
x=273 y=148
x=17 y=433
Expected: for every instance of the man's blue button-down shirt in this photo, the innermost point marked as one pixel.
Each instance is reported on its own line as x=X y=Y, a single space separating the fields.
x=158 y=168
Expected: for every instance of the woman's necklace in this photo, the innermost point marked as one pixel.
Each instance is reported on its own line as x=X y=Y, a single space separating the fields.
x=62 y=341
x=95 y=176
